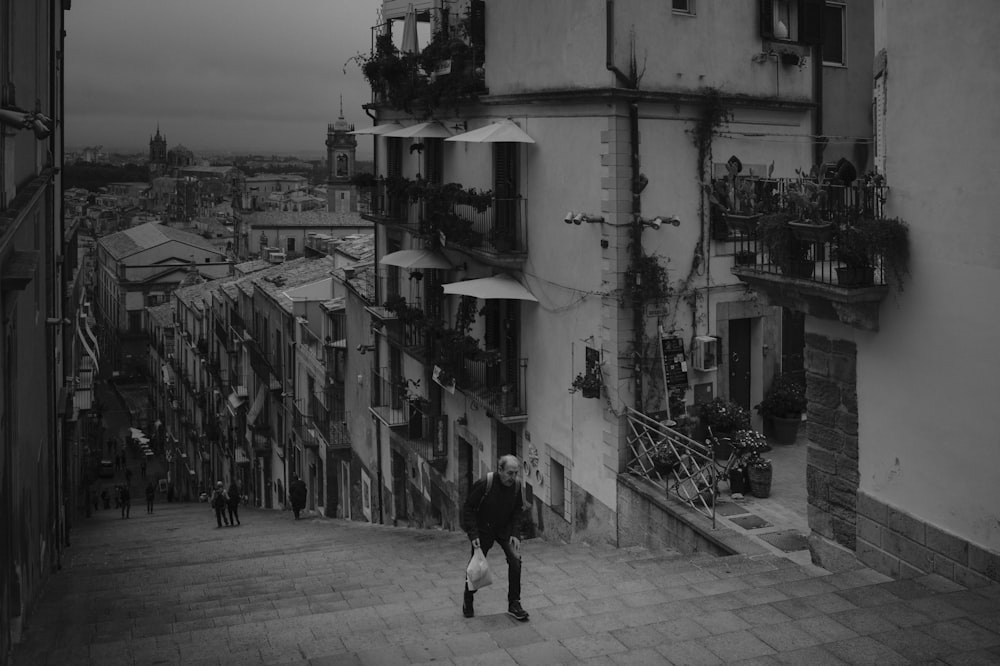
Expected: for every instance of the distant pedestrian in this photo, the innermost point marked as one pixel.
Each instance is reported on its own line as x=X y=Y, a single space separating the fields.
x=493 y=513
x=218 y=503
x=106 y=498
x=297 y=494
x=126 y=499
x=150 y=495
x=233 y=504
x=142 y=469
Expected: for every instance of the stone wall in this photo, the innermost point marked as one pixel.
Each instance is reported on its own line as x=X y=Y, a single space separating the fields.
x=897 y=544
x=832 y=456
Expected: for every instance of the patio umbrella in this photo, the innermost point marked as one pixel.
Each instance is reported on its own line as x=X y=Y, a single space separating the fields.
x=498 y=132
x=416 y=259
x=379 y=129
x=428 y=130
x=409 y=43
x=499 y=286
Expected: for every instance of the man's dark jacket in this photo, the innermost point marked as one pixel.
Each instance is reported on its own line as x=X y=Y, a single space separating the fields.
x=501 y=512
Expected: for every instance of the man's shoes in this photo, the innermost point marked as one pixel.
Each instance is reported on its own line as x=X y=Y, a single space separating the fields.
x=467 y=609
x=515 y=611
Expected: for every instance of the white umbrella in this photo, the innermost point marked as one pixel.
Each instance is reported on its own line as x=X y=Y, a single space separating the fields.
x=390 y=126
x=429 y=130
x=498 y=286
x=416 y=259
x=502 y=131
x=409 y=43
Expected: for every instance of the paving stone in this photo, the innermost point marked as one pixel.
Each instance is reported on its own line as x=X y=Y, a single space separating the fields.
x=335 y=592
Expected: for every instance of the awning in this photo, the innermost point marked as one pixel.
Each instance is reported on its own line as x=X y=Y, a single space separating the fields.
x=240 y=456
x=498 y=286
x=499 y=132
x=429 y=130
x=258 y=404
x=416 y=259
x=379 y=129
x=409 y=43
x=235 y=401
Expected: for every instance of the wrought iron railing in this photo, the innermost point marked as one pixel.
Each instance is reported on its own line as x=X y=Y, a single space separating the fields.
x=388 y=399
x=691 y=476
x=499 y=229
x=499 y=386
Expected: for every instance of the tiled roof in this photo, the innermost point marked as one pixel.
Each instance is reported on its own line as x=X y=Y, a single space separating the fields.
x=196 y=294
x=125 y=243
x=362 y=279
x=319 y=219
x=297 y=272
x=162 y=314
x=360 y=247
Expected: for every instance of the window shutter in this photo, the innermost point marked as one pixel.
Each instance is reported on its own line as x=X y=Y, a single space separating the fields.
x=811 y=21
x=394 y=157
x=477 y=23
x=504 y=170
x=878 y=110
x=491 y=331
x=767 y=19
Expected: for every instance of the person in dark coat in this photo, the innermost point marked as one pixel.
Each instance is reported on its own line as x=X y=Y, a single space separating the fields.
x=297 y=494
x=218 y=503
x=126 y=499
x=150 y=495
x=492 y=514
x=233 y=504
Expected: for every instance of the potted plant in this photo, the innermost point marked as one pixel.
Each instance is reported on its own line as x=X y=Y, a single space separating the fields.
x=759 y=471
x=745 y=257
x=784 y=403
x=749 y=442
x=868 y=242
x=808 y=196
x=664 y=460
x=784 y=249
x=722 y=419
x=589 y=383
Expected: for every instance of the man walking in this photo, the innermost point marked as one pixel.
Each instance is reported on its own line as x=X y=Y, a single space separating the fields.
x=218 y=502
x=150 y=495
x=233 y=504
x=297 y=494
x=492 y=513
x=126 y=500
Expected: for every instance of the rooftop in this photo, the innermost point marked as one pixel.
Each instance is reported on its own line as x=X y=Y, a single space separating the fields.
x=125 y=243
x=320 y=219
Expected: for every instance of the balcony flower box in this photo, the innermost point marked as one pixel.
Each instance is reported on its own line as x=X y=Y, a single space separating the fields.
x=812 y=232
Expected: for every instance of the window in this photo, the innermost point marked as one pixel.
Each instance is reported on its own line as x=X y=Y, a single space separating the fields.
x=834 y=34
x=557 y=488
x=791 y=20
x=683 y=6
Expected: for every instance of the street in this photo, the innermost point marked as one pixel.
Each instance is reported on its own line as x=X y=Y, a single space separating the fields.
x=172 y=588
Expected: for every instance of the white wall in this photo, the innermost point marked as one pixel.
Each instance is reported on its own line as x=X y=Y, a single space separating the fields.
x=927 y=381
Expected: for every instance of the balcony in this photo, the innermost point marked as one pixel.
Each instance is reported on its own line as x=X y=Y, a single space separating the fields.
x=495 y=384
x=260 y=435
x=388 y=400
x=837 y=265
x=492 y=229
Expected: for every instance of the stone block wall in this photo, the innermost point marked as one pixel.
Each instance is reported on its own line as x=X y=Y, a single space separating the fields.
x=895 y=543
x=832 y=457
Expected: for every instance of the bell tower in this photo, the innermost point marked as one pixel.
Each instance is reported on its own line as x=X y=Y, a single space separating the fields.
x=157 y=154
x=341 y=148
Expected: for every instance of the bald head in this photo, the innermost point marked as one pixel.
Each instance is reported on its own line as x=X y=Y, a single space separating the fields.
x=507 y=468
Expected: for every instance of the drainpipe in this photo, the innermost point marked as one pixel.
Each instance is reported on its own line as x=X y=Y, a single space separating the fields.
x=630 y=81
x=819 y=145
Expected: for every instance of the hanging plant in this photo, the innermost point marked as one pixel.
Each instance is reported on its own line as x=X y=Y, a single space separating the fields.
x=648 y=280
x=588 y=383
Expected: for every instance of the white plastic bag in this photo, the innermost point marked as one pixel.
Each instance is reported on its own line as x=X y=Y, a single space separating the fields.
x=477 y=574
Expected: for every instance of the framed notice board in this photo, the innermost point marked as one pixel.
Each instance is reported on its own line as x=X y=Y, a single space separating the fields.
x=675 y=369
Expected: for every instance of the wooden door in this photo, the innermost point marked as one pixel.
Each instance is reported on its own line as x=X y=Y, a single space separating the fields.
x=739 y=361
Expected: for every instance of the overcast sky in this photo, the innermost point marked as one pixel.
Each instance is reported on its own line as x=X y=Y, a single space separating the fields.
x=240 y=75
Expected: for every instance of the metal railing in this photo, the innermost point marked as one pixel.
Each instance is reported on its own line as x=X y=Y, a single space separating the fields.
x=499 y=387
x=692 y=474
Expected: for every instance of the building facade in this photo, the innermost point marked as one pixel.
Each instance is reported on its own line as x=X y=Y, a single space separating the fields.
x=39 y=288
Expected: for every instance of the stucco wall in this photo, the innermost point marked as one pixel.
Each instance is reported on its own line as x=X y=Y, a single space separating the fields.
x=927 y=381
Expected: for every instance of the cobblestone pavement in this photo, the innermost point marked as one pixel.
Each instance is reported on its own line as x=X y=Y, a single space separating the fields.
x=172 y=588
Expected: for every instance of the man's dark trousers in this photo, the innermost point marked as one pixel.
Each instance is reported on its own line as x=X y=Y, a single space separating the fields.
x=486 y=541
